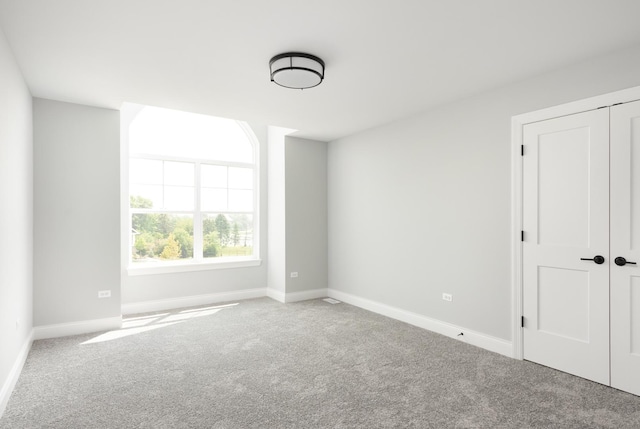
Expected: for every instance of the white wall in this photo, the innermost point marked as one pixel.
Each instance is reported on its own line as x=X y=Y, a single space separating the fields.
x=306 y=214
x=16 y=219
x=297 y=216
x=169 y=288
x=421 y=206
x=77 y=212
x=276 y=277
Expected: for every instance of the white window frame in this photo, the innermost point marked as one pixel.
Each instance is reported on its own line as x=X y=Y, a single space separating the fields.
x=198 y=262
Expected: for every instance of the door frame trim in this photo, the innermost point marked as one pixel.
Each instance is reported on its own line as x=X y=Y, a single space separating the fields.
x=517 y=124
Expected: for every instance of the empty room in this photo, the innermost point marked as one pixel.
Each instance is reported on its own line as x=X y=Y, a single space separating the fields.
x=344 y=214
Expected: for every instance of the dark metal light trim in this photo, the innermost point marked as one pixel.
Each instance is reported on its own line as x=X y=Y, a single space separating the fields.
x=291 y=67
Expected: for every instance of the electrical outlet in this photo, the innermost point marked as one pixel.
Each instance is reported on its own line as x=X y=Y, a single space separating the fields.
x=104 y=294
x=447 y=297
x=294 y=274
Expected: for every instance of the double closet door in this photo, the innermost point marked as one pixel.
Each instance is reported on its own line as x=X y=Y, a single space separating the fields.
x=581 y=244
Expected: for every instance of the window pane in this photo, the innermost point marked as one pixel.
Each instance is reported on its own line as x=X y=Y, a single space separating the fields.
x=145 y=171
x=174 y=133
x=240 y=201
x=226 y=235
x=240 y=178
x=178 y=173
x=161 y=237
x=213 y=200
x=145 y=196
x=213 y=176
x=178 y=197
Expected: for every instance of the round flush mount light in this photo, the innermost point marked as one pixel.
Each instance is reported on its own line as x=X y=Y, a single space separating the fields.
x=296 y=70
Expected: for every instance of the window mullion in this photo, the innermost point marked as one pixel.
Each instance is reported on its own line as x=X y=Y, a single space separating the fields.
x=227 y=187
x=197 y=217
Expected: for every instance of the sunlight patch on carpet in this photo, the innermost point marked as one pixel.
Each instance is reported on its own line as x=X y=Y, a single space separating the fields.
x=114 y=335
x=139 y=324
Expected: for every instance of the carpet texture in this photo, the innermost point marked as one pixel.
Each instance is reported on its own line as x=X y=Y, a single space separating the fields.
x=262 y=364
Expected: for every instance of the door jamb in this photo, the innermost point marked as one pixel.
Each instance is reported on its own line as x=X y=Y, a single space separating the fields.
x=517 y=124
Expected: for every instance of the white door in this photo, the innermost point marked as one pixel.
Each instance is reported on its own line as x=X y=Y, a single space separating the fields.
x=566 y=220
x=625 y=243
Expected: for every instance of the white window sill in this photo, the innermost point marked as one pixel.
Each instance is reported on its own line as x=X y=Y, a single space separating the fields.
x=150 y=269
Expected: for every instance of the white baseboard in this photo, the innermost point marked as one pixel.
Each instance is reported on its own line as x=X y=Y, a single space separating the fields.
x=76 y=328
x=191 y=301
x=277 y=295
x=14 y=374
x=305 y=295
x=296 y=296
x=478 y=339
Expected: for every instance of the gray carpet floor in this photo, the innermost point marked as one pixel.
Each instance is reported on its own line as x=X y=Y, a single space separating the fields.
x=263 y=364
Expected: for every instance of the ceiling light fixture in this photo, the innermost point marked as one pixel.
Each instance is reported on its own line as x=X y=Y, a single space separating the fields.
x=296 y=70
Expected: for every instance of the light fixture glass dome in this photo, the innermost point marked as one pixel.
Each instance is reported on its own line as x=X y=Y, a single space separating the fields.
x=296 y=70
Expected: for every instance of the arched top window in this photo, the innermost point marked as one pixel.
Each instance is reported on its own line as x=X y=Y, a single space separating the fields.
x=192 y=189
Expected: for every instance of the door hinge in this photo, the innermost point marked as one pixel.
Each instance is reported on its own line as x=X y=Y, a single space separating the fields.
x=521 y=150
x=521 y=235
x=522 y=322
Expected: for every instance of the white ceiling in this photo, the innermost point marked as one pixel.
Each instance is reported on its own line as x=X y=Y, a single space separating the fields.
x=384 y=59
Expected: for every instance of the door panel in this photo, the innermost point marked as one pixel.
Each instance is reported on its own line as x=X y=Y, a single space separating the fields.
x=563 y=210
x=635 y=317
x=565 y=218
x=562 y=291
x=625 y=242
